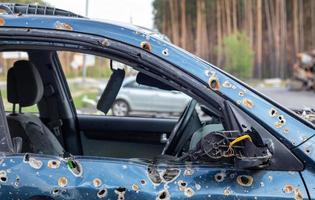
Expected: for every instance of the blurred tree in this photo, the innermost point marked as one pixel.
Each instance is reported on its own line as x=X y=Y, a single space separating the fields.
x=239 y=55
x=277 y=29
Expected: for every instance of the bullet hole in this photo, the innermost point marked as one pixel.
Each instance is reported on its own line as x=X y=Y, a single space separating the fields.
x=143 y=182
x=154 y=174
x=26 y=158
x=181 y=185
x=189 y=192
x=97 y=182
x=281 y=121
x=227 y=191
x=270 y=178
x=219 y=177
x=121 y=193
x=214 y=83
x=308 y=150
x=298 y=194
x=146 y=46
x=75 y=167
x=2 y=22
x=53 y=164
x=239 y=102
x=245 y=180
x=248 y=103
x=273 y=112
x=170 y=174
x=209 y=73
x=63 y=26
x=165 y=52
x=36 y=164
x=163 y=195
x=105 y=43
x=17 y=181
x=3 y=176
x=227 y=84
x=135 y=187
x=188 y=172
x=56 y=191
x=241 y=93
x=102 y=193
x=288 y=188
x=62 y=181
x=286 y=130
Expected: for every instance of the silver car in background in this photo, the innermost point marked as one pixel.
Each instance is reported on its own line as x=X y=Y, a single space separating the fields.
x=136 y=99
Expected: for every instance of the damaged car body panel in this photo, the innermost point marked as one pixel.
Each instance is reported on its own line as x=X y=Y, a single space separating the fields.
x=33 y=176
x=134 y=179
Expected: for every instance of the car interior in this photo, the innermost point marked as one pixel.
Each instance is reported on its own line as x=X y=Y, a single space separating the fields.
x=58 y=129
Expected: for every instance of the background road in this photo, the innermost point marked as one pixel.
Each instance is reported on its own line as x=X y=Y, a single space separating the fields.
x=290 y=99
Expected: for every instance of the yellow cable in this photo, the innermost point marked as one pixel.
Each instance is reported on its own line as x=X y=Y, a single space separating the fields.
x=241 y=138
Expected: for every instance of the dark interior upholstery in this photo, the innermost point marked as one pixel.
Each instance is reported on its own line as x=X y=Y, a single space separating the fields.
x=25 y=88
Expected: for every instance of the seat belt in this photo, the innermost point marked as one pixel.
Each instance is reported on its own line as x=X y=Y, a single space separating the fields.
x=54 y=123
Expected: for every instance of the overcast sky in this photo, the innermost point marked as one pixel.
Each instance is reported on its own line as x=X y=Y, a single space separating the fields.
x=139 y=12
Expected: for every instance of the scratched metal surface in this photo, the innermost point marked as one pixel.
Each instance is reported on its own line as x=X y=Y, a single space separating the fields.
x=25 y=179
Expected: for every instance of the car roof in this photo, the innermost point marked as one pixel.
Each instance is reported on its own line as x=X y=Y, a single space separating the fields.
x=235 y=90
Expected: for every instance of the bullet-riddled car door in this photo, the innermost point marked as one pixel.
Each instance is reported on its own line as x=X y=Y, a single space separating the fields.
x=100 y=178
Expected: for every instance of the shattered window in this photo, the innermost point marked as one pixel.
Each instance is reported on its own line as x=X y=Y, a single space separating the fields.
x=88 y=75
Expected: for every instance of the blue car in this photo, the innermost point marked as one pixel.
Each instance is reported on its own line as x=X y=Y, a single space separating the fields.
x=249 y=147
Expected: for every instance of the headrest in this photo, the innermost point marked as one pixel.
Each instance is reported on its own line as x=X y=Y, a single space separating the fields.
x=24 y=84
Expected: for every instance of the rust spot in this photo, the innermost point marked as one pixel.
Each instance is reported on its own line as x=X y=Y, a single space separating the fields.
x=288 y=188
x=219 y=177
x=135 y=187
x=62 y=181
x=214 y=83
x=286 y=130
x=63 y=26
x=2 y=22
x=245 y=180
x=182 y=185
x=248 y=103
x=54 y=164
x=189 y=192
x=163 y=195
x=3 y=176
x=102 y=193
x=146 y=46
x=97 y=182
x=227 y=191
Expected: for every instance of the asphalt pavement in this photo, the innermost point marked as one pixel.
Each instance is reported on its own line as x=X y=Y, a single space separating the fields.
x=290 y=99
